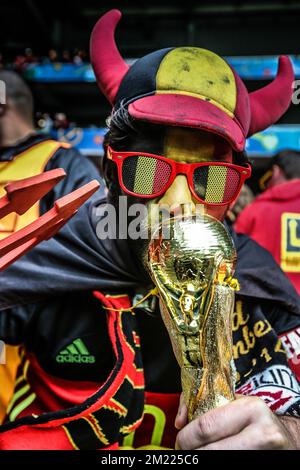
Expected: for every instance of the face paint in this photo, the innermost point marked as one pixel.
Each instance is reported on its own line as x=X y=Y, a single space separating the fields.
x=189 y=145
x=192 y=146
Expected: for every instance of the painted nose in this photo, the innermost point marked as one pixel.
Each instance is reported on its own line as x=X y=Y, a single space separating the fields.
x=178 y=193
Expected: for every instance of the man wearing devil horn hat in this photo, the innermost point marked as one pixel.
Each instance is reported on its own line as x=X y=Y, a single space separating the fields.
x=105 y=376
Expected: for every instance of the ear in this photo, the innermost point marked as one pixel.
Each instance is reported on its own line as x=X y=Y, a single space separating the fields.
x=277 y=172
x=278 y=177
x=6 y=106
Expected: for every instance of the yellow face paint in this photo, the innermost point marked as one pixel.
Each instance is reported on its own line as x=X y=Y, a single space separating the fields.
x=194 y=146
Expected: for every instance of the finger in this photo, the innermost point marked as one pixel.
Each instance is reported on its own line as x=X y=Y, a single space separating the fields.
x=246 y=440
x=251 y=438
x=219 y=423
x=182 y=414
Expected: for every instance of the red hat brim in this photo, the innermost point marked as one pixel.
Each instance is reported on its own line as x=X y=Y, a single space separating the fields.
x=188 y=111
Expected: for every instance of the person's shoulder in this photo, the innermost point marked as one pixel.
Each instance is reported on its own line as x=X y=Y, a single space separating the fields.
x=68 y=154
x=72 y=161
x=246 y=245
x=253 y=257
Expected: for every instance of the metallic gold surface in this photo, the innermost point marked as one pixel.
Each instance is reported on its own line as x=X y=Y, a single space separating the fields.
x=191 y=261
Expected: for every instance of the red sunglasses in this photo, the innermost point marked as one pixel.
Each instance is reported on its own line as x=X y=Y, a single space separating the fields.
x=148 y=176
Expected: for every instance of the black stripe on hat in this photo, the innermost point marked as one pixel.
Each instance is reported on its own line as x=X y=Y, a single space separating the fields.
x=140 y=80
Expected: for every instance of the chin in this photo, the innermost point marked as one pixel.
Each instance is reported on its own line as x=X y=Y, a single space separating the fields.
x=218 y=212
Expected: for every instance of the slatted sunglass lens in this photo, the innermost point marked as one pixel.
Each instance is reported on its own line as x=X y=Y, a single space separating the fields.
x=216 y=184
x=145 y=175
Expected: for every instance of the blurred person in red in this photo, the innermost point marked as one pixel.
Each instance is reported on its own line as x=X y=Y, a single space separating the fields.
x=66 y=57
x=273 y=219
x=22 y=60
x=30 y=58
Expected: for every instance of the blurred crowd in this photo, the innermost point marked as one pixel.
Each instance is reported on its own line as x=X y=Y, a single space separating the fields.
x=21 y=61
x=46 y=122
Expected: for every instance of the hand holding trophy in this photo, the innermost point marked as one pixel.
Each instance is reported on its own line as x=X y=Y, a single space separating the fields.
x=191 y=260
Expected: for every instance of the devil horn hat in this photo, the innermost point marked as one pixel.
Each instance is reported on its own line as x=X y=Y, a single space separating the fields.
x=108 y=64
x=262 y=107
x=269 y=103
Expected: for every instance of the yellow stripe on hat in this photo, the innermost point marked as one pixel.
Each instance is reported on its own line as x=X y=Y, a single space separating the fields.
x=216 y=181
x=196 y=72
x=144 y=175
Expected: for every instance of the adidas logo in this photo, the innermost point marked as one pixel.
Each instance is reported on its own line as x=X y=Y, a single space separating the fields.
x=76 y=352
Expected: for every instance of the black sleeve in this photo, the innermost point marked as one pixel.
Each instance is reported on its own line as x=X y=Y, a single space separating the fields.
x=79 y=171
x=13 y=322
x=281 y=319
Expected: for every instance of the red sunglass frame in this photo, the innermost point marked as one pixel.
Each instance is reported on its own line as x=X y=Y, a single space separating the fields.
x=177 y=168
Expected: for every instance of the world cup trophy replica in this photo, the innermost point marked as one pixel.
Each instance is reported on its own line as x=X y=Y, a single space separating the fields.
x=191 y=260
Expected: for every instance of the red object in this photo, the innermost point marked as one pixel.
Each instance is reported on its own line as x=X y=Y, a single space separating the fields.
x=291 y=344
x=109 y=66
x=253 y=112
x=265 y=106
x=175 y=168
x=273 y=221
x=187 y=111
x=157 y=430
x=21 y=195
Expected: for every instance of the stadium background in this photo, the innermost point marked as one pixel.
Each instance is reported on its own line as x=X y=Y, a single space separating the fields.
x=48 y=42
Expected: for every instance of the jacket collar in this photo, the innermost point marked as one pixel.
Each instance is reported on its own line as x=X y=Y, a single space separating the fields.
x=8 y=154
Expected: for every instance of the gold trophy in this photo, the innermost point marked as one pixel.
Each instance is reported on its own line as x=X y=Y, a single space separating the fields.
x=191 y=260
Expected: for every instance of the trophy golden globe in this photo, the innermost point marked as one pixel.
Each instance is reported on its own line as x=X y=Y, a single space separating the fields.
x=191 y=260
